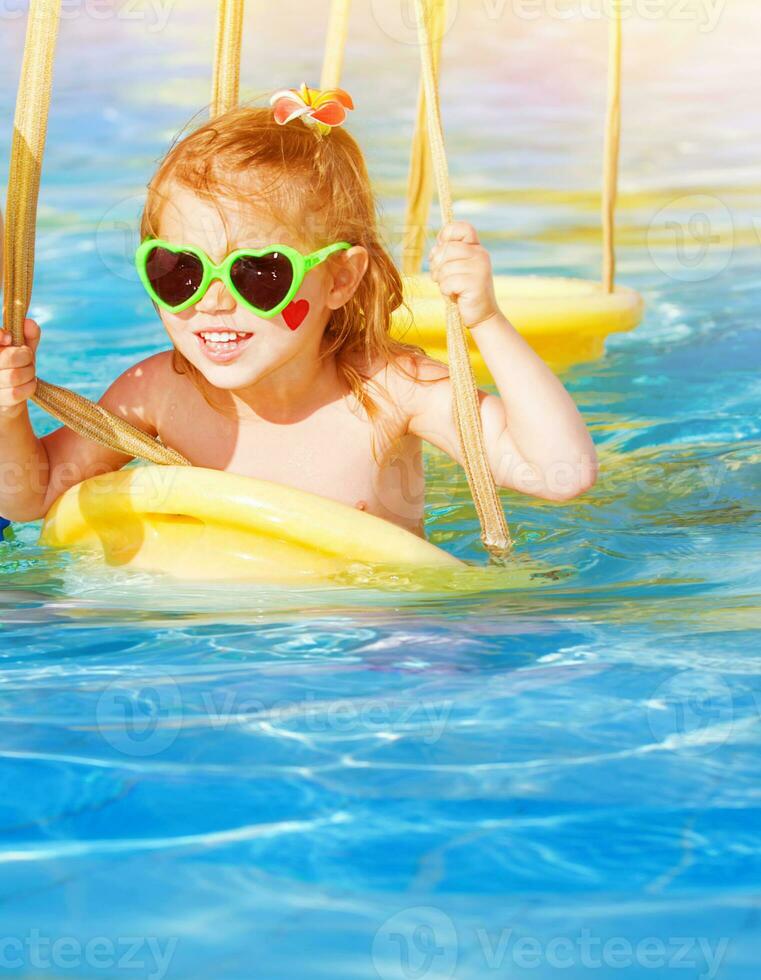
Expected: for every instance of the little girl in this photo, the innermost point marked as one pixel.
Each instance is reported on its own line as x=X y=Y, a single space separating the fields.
x=282 y=365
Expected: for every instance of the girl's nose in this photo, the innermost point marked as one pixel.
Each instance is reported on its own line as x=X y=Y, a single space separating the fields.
x=218 y=299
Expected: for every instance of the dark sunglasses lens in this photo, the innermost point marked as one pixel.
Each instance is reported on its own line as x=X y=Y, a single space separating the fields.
x=263 y=280
x=175 y=276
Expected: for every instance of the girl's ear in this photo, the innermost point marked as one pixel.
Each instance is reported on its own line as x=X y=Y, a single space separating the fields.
x=347 y=272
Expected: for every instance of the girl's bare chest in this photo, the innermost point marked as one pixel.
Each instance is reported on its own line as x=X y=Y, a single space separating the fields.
x=330 y=453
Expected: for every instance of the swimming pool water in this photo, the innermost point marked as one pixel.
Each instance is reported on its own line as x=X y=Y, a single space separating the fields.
x=533 y=780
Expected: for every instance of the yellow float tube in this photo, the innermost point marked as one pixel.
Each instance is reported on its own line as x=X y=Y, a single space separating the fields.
x=193 y=523
x=564 y=320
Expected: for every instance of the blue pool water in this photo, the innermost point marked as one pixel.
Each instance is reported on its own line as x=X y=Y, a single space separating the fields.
x=534 y=780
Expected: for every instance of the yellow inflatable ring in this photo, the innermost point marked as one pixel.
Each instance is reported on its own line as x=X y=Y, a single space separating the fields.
x=566 y=321
x=194 y=523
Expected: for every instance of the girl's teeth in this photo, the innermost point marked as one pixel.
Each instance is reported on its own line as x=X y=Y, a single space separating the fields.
x=222 y=338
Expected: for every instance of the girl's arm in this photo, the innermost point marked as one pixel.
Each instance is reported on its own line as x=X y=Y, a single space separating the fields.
x=536 y=440
x=23 y=459
x=135 y=396
x=35 y=472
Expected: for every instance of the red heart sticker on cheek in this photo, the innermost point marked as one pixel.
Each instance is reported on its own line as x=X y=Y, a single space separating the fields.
x=295 y=313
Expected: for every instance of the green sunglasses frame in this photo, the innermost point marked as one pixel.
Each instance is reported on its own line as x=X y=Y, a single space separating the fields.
x=301 y=264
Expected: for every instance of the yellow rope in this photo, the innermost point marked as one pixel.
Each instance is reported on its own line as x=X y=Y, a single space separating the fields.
x=335 y=44
x=421 y=177
x=226 y=88
x=612 y=151
x=27 y=150
x=98 y=424
x=29 y=133
x=494 y=532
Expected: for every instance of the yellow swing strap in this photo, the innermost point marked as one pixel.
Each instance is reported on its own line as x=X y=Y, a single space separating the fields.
x=84 y=417
x=612 y=150
x=421 y=177
x=335 y=44
x=494 y=532
x=226 y=86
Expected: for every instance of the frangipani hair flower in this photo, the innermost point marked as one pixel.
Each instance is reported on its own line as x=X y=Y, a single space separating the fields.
x=322 y=109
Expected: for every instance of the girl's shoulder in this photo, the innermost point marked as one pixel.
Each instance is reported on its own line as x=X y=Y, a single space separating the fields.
x=409 y=374
x=139 y=392
x=407 y=369
x=404 y=380
x=149 y=369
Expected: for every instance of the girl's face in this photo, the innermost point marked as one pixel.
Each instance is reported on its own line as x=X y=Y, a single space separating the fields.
x=232 y=346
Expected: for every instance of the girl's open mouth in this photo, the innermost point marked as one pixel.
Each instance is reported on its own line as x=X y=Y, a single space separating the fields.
x=223 y=345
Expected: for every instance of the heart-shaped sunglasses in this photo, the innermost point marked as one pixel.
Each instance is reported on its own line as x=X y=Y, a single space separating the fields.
x=265 y=280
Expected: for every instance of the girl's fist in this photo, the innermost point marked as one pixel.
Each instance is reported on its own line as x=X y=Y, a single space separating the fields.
x=18 y=375
x=462 y=268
